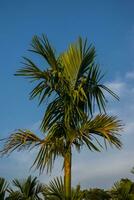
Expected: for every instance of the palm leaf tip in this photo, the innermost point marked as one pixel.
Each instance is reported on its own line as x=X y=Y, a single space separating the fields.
x=109 y=128
x=21 y=139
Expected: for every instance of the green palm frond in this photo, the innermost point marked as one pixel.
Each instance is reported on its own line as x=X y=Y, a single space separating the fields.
x=54 y=112
x=48 y=153
x=29 y=188
x=43 y=47
x=55 y=190
x=21 y=139
x=45 y=85
x=31 y=70
x=88 y=56
x=123 y=189
x=76 y=61
x=14 y=195
x=84 y=75
x=71 y=60
x=49 y=148
x=105 y=126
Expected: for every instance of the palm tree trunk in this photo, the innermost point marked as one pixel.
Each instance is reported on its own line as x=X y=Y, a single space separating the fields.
x=67 y=175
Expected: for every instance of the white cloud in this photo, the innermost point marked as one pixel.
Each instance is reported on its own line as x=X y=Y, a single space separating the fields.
x=117 y=164
x=36 y=126
x=129 y=128
x=130 y=75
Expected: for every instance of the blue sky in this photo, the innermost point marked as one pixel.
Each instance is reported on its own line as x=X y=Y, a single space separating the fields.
x=109 y=25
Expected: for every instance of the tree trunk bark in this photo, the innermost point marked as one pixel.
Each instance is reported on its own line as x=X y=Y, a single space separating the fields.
x=67 y=175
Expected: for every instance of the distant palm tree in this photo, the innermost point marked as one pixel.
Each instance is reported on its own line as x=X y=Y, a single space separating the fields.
x=96 y=194
x=3 y=188
x=123 y=190
x=55 y=191
x=28 y=189
x=72 y=83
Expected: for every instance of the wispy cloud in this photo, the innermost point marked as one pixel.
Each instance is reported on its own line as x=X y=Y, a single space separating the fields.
x=114 y=165
x=130 y=75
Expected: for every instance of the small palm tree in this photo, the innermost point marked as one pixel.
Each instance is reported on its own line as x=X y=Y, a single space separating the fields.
x=3 y=188
x=73 y=85
x=123 y=190
x=55 y=191
x=28 y=189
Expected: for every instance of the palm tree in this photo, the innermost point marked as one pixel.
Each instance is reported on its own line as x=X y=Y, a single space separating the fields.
x=3 y=188
x=28 y=189
x=123 y=190
x=72 y=83
x=96 y=194
x=55 y=191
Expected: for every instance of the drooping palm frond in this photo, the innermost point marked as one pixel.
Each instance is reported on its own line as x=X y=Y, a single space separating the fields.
x=48 y=148
x=21 y=139
x=47 y=155
x=105 y=126
x=94 y=89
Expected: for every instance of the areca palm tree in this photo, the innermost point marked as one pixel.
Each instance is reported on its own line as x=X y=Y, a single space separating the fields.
x=29 y=189
x=73 y=85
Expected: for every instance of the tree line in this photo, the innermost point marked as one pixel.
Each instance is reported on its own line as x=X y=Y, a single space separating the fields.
x=31 y=189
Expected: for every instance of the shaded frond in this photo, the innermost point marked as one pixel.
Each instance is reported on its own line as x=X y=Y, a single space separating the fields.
x=54 y=112
x=47 y=154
